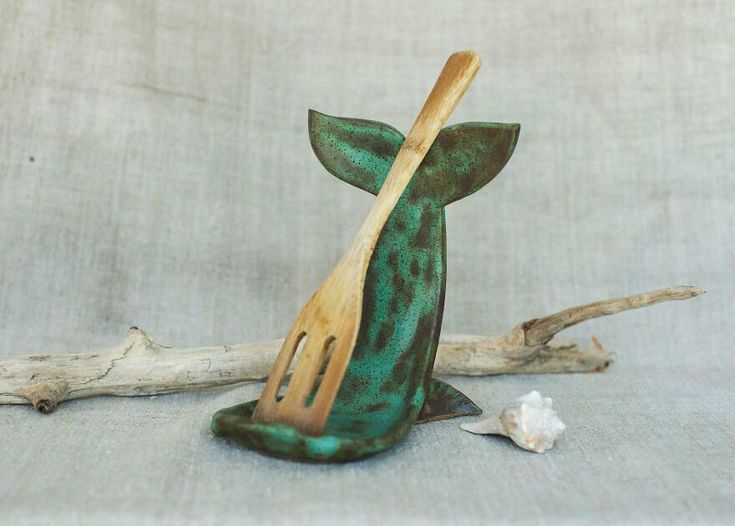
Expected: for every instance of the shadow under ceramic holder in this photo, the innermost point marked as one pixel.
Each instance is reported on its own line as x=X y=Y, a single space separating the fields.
x=388 y=385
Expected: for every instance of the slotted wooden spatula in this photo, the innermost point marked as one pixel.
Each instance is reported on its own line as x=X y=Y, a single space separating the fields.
x=332 y=316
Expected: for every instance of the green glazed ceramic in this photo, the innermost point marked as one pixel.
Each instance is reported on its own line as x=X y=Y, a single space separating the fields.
x=388 y=385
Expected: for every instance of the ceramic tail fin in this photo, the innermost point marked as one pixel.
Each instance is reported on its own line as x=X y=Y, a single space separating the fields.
x=444 y=401
x=464 y=158
x=357 y=151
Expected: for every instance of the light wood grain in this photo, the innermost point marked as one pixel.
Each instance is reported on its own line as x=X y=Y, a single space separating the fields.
x=140 y=367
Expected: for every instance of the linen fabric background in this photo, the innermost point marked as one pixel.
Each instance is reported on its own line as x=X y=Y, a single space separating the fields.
x=155 y=170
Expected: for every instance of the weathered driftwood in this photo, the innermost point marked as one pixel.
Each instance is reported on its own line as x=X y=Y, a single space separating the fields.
x=139 y=366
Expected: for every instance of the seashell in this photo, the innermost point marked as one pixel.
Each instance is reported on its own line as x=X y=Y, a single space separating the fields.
x=529 y=421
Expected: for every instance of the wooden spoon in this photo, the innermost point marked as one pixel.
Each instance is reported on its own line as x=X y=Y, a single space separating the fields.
x=332 y=316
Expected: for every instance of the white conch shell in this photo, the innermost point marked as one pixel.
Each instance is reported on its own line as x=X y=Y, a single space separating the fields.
x=529 y=421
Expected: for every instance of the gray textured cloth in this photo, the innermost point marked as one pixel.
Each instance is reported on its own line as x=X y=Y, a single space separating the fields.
x=155 y=170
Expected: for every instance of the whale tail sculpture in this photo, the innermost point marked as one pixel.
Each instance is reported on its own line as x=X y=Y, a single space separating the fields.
x=388 y=385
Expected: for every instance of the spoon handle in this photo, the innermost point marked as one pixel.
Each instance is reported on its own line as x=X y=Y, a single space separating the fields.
x=454 y=79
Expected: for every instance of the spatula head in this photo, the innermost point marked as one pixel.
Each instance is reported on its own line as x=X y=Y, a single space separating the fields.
x=330 y=319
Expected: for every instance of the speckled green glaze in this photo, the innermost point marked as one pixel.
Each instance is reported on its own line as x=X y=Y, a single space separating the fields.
x=388 y=385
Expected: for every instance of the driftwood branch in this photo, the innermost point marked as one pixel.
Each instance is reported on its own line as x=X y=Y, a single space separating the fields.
x=139 y=366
